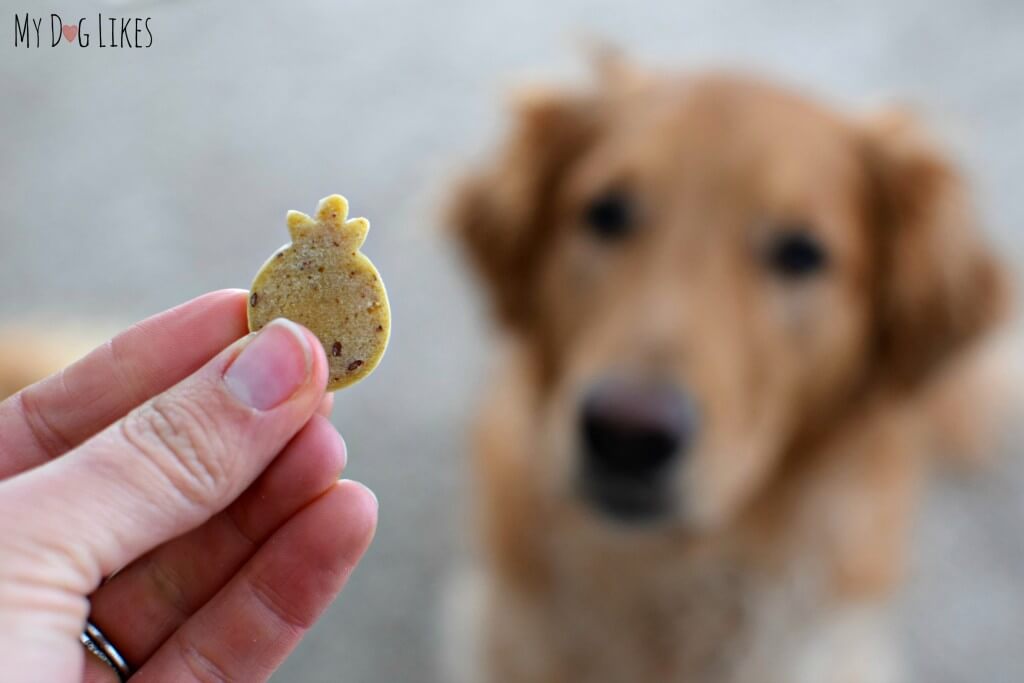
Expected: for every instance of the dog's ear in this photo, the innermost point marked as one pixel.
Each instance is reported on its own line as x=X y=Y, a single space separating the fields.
x=938 y=286
x=501 y=212
x=612 y=69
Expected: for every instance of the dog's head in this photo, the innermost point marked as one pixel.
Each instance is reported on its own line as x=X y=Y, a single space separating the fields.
x=707 y=270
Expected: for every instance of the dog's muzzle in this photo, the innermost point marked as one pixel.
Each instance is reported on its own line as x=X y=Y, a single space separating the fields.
x=633 y=435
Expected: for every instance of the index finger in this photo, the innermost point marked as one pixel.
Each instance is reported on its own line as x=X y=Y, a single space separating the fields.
x=60 y=412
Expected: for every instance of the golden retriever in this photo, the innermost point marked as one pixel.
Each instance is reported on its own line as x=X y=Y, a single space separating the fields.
x=726 y=309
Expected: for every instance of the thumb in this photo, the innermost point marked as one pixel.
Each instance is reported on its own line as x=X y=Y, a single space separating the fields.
x=169 y=464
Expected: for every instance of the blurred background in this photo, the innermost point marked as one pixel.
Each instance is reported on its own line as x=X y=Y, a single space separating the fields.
x=133 y=179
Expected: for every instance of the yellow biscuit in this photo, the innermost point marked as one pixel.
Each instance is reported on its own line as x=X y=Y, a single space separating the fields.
x=322 y=281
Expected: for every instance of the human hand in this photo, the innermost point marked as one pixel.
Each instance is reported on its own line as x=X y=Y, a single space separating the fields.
x=205 y=477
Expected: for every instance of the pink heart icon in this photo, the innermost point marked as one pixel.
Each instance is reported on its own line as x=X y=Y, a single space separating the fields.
x=69 y=32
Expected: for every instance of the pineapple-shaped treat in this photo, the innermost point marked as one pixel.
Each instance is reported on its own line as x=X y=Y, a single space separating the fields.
x=322 y=281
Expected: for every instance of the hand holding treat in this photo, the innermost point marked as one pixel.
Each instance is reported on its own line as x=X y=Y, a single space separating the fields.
x=216 y=448
x=322 y=281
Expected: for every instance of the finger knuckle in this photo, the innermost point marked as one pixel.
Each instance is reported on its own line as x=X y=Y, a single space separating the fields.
x=42 y=430
x=180 y=440
x=200 y=664
x=283 y=610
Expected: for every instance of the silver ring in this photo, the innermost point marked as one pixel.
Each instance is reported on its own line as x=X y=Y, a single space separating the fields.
x=94 y=640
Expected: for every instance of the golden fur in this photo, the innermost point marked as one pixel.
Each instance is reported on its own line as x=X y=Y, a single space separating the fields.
x=32 y=350
x=800 y=493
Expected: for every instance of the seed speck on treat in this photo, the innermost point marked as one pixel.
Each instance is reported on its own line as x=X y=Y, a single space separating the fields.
x=354 y=365
x=336 y=349
x=253 y=299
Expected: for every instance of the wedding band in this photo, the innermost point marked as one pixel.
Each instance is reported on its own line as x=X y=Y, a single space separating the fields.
x=94 y=640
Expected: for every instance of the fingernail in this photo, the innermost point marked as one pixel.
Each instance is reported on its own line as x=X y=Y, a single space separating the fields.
x=272 y=367
x=365 y=488
x=344 y=452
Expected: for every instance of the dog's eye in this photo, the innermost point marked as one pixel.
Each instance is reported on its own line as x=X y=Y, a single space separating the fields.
x=610 y=216
x=796 y=254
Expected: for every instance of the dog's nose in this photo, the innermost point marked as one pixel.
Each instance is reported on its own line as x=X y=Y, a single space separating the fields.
x=633 y=431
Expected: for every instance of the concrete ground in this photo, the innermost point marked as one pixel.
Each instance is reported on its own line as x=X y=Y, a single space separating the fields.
x=133 y=179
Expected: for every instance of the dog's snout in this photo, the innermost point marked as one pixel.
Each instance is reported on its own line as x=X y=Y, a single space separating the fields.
x=634 y=430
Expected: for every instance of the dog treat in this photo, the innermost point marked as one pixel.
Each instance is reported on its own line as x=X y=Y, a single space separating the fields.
x=322 y=281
